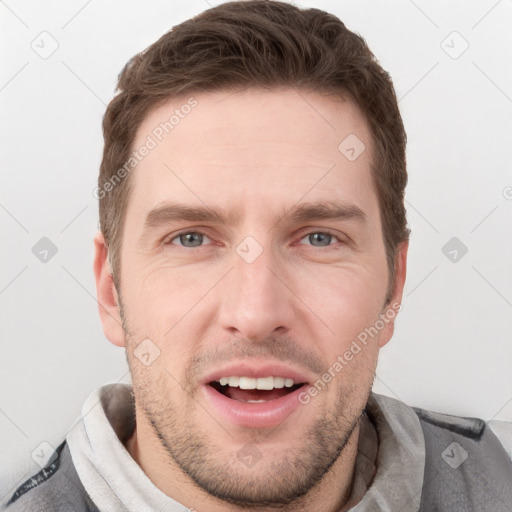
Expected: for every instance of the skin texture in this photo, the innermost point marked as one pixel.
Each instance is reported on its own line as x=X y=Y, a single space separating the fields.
x=257 y=154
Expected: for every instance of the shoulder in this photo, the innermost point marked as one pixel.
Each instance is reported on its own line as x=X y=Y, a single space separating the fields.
x=475 y=433
x=55 y=488
x=466 y=464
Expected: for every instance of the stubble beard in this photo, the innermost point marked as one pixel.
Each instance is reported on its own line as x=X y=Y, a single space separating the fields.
x=268 y=484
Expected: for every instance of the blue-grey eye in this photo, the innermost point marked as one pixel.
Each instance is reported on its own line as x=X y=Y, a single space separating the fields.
x=190 y=239
x=319 y=239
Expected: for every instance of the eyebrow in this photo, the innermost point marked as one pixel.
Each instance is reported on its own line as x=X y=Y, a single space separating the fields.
x=325 y=210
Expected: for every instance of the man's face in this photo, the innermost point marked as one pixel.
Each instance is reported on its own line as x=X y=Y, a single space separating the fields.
x=272 y=287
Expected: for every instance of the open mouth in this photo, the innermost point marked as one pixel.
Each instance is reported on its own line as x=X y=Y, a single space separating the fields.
x=255 y=390
x=251 y=399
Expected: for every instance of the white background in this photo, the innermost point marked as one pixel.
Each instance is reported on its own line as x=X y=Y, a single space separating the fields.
x=452 y=349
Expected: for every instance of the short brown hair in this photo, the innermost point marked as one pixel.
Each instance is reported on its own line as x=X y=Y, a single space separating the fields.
x=258 y=43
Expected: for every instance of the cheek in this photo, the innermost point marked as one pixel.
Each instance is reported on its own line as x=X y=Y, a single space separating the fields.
x=160 y=295
x=346 y=299
x=170 y=307
x=348 y=303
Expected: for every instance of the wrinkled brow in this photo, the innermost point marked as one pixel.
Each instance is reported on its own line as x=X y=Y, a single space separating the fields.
x=327 y=210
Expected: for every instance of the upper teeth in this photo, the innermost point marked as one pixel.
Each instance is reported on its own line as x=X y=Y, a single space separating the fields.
x=259 y=383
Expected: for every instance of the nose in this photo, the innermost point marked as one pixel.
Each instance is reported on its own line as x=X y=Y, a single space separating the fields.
x=256 y=299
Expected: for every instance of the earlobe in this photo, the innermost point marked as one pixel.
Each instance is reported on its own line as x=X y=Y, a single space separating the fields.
x=108 y=300
x=395 y=304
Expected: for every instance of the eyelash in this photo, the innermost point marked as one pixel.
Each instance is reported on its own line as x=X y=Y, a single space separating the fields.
x=168 y=241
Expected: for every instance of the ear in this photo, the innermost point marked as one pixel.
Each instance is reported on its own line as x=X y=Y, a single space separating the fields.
x=108 y=300
x=391 y=309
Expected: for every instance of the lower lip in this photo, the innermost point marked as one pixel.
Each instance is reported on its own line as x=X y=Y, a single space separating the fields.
x=259 y=415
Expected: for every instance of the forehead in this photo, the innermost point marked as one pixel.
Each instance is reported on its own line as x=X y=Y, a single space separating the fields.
x=253 y=148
